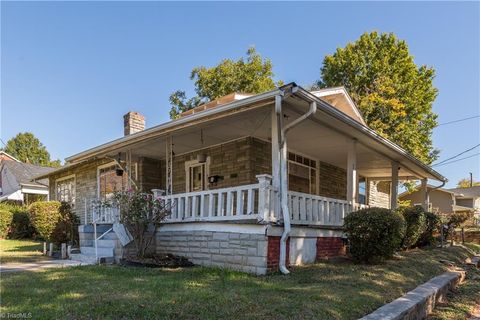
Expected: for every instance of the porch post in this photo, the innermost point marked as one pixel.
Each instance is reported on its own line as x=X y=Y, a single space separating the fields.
x=168 y=165
x=352 y=172
x=394 y=187
x=275 y=135
x=424 y=192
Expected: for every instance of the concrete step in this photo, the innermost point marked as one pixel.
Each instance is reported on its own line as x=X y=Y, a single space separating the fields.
x=87 y=259
x=83 y=258
x=101 y=252
x=105 y=243
x=88 y=228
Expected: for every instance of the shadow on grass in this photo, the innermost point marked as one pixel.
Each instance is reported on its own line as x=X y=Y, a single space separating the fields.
x=322 y=291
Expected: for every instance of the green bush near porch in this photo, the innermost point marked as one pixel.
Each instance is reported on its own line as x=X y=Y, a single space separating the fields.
x=44 y=216
x=325 y=290
x=374 y=234
x=5 y=222
x=416 y=225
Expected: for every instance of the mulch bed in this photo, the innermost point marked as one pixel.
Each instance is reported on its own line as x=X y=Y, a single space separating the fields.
x=157 y=261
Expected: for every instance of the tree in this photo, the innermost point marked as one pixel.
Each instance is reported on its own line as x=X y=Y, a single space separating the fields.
x=27 y=148
x=465 y=183
x=254 y=75
x=393 y=93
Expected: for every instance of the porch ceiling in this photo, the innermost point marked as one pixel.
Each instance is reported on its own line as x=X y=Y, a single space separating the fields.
x=310 y=138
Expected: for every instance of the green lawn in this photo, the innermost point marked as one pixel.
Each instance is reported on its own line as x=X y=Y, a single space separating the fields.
x=19 y=251
x=462 y=302
x=328 y=290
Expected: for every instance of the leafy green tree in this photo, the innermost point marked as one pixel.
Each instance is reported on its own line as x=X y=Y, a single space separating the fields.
x=393 y=93
x=253 y=75
x=465 y=183
x=27 y=148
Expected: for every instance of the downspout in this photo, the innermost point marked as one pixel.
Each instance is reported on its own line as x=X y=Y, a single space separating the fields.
x=284 y=177
x=428 y=191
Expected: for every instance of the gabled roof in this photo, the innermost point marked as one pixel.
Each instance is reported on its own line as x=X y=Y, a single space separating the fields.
x=471 y=192
x=330 y=116
x=25 y=172
x=340 y=99
x=429 y=186
x=3 y=155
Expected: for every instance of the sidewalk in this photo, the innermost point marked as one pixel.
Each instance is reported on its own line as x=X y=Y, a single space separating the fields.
x=34 y=266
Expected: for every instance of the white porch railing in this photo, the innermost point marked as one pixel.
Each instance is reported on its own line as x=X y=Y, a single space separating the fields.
x=247 y=202
x=94 y=213
x=317 y=210
x=254 y=202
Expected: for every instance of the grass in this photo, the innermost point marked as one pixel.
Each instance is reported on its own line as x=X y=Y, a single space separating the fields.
x=20 y=251
x=462 y=302
x=327 y=290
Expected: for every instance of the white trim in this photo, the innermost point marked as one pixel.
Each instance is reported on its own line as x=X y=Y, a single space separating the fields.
x=100 y=167
x=305 y=232
x=216 y=227
x=70 y=176
x=195 y=163
x=182 y=122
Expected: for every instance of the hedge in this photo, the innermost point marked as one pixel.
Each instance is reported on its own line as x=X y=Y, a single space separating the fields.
x=416 y=223
x=44 y=216
x=5 y=223
x=374 y=234
x=66 y=229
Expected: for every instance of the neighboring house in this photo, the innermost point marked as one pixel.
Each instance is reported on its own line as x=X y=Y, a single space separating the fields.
x=229 y=166
x=468 y=197
x=440 y=200
x=17 y=180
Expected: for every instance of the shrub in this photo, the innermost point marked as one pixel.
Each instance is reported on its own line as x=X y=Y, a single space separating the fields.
x=416 y=223
x=66 y=229
x=453 y=221
x=141 y=214
x=44 y=216
x=374 y=234
x=5 y=222
x=21 y=226
x=432 y=226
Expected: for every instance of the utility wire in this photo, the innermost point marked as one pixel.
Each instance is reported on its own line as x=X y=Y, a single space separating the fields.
x=459 y=120
x=473 y=155
x=455 y=156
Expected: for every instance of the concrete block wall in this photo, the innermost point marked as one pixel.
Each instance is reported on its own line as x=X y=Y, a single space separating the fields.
x=233 y=250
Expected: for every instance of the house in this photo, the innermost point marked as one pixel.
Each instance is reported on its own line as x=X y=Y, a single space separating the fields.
x=468 y=197
x=256 y=182
x=17 y=180
x=440 y=200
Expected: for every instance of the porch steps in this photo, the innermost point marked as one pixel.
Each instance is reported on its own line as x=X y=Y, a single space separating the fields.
x=105 y=246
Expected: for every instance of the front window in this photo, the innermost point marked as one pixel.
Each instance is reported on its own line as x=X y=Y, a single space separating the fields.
x=110 y=180
x=362 y=191
x=302 y=174
x=65 y=190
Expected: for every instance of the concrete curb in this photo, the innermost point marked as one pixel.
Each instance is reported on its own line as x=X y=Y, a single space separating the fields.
x=419 y=302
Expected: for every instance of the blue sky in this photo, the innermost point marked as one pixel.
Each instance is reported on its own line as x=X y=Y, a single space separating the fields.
x=70 y=70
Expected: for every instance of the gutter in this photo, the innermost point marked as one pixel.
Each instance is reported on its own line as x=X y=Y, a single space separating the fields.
x=284 y=176
x=169 y=126
x=307 y=96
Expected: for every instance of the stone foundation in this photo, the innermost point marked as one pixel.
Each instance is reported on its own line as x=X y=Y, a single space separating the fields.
x=233 y=250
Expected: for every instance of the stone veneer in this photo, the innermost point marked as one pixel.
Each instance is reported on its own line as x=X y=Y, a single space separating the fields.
x=233 y=250
x=379 y=194
x=85 y=183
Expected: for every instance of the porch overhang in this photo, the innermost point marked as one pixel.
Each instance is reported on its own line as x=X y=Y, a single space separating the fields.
x=323 y=136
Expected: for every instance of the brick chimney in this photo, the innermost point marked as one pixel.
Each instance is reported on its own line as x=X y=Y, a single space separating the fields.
x=133 y=122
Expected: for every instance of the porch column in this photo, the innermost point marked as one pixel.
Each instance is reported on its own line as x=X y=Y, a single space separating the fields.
x=275 y=134
x=352 y=172
x=394 y=187
x=424 y=192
